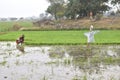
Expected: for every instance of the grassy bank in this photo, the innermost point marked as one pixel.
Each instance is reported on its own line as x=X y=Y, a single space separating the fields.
x=111 y=23
x=62 y=37
x=8 y=26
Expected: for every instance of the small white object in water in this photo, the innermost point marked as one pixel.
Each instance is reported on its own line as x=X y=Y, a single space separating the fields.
x=111 y=53
x=67 y=55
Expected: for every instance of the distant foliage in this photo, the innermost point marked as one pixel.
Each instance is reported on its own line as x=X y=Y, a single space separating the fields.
x=56 y=9
x=82 y=8
x=74 y=9
x=16 y=27
x=98 y=16
x=112 y=13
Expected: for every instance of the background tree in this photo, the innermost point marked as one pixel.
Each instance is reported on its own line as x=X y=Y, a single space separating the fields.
x=56 y=8
x=82 y=8
x=116 y=1
x=117 y=4
x=73 y=9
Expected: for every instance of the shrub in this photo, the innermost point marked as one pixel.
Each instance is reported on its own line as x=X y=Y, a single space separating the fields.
x=98 y=16
x=16 y=27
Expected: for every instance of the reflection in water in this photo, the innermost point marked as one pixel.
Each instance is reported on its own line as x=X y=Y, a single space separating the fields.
x=20 y=47
x=59 y=62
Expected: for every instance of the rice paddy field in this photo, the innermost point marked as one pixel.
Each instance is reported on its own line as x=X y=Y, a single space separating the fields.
x=58 y=54
x=62 y=37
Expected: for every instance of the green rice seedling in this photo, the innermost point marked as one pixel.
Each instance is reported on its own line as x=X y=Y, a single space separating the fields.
x=3 y=63
x=71 y=37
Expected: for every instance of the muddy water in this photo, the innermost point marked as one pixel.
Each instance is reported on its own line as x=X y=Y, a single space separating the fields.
x=59 y=62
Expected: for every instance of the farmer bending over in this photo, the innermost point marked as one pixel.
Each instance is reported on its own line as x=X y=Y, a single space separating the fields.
x=20 y=40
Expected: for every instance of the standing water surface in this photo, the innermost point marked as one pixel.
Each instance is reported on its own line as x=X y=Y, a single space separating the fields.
x=99 y=62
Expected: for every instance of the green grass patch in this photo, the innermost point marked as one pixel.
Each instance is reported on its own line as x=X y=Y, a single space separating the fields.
x=3 y=63
x=111 y=60
x=7 y=26
x=62 y=37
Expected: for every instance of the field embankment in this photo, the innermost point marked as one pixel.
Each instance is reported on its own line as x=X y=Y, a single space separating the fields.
x=104 y=23
x=81 y=24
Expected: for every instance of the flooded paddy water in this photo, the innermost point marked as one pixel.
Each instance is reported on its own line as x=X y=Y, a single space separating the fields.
x=73 y=62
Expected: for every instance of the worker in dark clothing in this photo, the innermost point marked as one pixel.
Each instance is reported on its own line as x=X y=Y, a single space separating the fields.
x=20 y=40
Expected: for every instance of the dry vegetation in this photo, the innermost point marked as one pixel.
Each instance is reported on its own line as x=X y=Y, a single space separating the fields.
x=104 y=23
